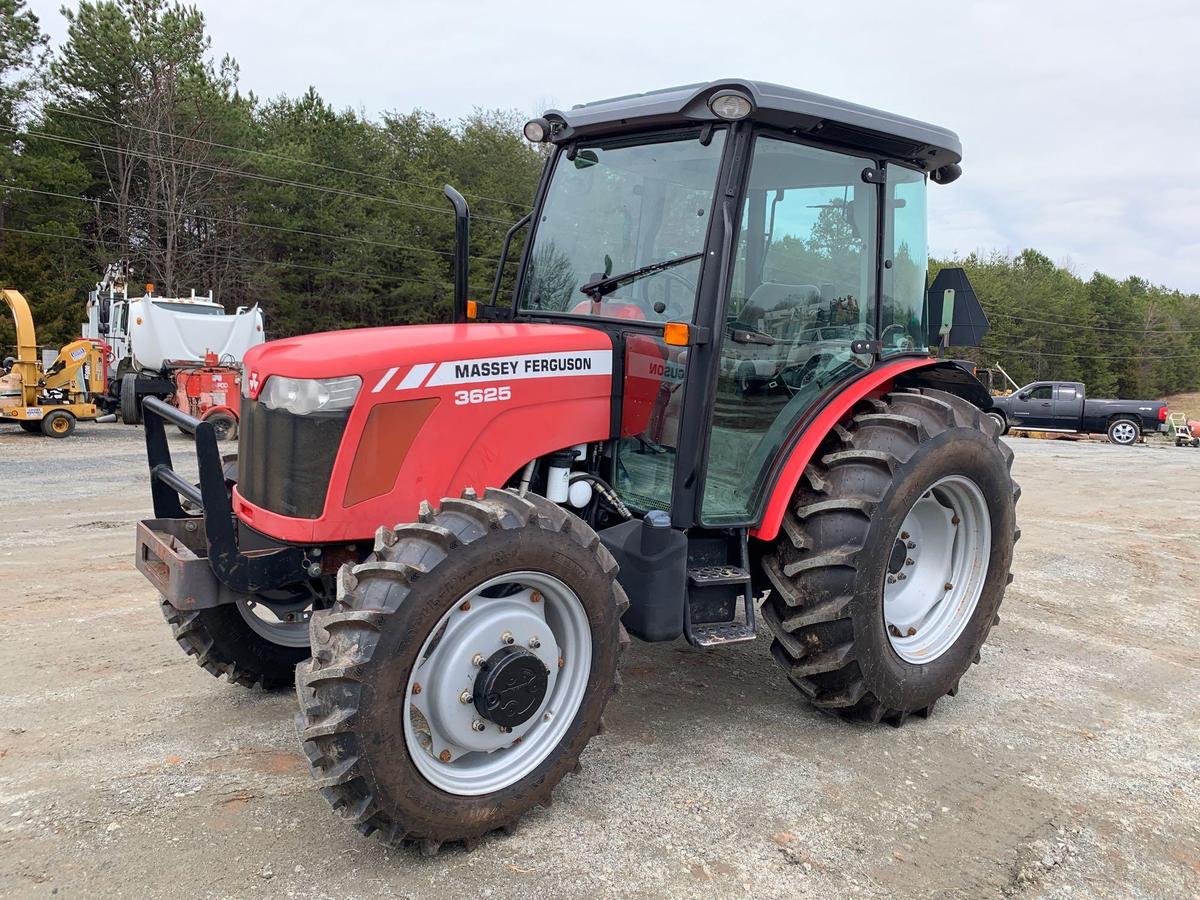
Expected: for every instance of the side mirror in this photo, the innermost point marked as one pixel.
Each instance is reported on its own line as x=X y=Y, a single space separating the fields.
x=1022 y=396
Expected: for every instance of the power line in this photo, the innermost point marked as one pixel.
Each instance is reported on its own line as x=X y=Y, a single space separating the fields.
x=242 y=222
x=1002 y=350
x=1126 y=331
x=269 y=179
x=246 y=259
x=276 y=156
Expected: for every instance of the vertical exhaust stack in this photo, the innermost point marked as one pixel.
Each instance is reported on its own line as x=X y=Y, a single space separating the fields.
x=462 y=242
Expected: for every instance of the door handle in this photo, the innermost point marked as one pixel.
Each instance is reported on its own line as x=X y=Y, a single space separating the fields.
x=1046 y=403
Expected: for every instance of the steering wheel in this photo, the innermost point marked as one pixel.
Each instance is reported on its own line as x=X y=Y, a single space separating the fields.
x=896 y=326
x=676 y=309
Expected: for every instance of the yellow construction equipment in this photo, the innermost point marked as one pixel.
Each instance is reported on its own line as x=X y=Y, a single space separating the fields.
x=50 y=399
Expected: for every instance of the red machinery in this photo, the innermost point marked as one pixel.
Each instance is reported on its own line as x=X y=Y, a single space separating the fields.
x=211 y=393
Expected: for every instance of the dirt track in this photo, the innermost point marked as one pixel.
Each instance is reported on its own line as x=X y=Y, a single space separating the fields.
x=1069 y=765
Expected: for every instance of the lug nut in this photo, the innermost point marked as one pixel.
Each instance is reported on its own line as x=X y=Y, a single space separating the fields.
x=477 y=726
x=507 y=638
x=477 y=660
x=900 y=576
x=465 y=605
x=911 y=545
x=891 y=579
x=417 y=688
x=465 y=697
x=547 y=717
x=909 y=561
x=904 y=535
x=948 y=586
x=444 y=756
x=534 y=643
x=314 y=571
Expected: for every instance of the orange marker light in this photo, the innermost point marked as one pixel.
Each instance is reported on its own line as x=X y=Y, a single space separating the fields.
x=676 y=334
x=472 y=309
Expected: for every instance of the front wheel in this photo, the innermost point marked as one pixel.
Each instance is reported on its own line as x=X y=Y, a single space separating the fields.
x=894 y=557
x=1001 y=422
x=1123 y=432
x=463 y=669
x=255 y=641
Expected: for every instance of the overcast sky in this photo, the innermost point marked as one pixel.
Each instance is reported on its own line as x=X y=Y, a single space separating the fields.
x=1080 y=121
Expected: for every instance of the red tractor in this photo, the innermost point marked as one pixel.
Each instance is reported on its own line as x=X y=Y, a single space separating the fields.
x=444 y=534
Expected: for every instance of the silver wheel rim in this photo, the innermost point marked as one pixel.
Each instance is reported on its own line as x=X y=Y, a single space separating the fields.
x=937 y=569
x=1123 y=433
x=285 y=623
x=451 y=744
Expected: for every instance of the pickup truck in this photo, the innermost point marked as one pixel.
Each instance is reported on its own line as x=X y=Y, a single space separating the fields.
x=1063 y=406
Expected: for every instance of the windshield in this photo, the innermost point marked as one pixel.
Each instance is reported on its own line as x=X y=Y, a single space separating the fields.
x=617 y=207
x=195 y=309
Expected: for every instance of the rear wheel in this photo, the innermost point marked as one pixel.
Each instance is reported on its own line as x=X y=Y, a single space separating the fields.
x=894 y=557
x=1123 y=432
x=31 y=427
x=131 y=408
x=58 y=424
x=463 y=669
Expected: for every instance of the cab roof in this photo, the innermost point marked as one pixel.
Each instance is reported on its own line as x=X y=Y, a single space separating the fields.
x=801 y=112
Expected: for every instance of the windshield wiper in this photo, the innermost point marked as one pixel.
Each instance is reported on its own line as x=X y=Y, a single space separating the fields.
x=599 y=288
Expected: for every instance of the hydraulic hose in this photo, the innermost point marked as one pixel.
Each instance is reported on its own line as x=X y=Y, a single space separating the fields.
x=606 y=492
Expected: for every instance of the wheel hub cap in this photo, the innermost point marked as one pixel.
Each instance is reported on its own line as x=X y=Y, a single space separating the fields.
x=936 y=569
x=510 y=686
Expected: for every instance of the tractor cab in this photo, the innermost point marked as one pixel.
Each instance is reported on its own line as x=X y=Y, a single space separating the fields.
x=749 y=248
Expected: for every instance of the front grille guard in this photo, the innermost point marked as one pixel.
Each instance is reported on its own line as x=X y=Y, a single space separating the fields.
x=250 y=573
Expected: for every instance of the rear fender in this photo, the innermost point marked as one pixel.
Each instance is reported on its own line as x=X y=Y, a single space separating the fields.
x=902 y=373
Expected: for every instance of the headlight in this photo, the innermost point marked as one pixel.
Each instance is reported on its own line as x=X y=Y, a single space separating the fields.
x=301 y=396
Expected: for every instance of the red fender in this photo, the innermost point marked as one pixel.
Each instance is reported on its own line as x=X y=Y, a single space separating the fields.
x=213 y=410
x=878 y=381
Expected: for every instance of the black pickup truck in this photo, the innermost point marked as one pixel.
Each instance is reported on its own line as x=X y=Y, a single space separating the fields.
x=1062 y=406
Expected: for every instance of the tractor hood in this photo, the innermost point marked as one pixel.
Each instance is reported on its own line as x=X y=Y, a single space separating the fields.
x=372 y=353
x=435 y=410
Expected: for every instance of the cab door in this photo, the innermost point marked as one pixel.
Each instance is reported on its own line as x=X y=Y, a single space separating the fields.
x=803 y=290
x=1033 y=407
x=1068 y=406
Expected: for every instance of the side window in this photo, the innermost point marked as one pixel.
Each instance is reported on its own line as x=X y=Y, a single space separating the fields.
x=1041 y=392
x=803 y=290
x=1065 y=392
x=902 y=310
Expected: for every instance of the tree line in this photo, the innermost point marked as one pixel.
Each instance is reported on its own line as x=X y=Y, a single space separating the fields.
x=133 y=140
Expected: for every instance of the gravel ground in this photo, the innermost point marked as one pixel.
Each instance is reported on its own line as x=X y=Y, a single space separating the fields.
x=1067 y=766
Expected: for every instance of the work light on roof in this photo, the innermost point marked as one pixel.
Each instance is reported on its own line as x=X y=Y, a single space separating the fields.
x=731 y=105
x=536 y=130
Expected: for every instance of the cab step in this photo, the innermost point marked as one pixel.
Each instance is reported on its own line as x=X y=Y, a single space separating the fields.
x=714 y=634
x=718 y=582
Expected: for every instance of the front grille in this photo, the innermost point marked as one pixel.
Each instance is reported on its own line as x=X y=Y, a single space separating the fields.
x=285 y=460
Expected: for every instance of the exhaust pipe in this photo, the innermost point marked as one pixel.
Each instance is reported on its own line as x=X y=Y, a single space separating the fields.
x=111 y=417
